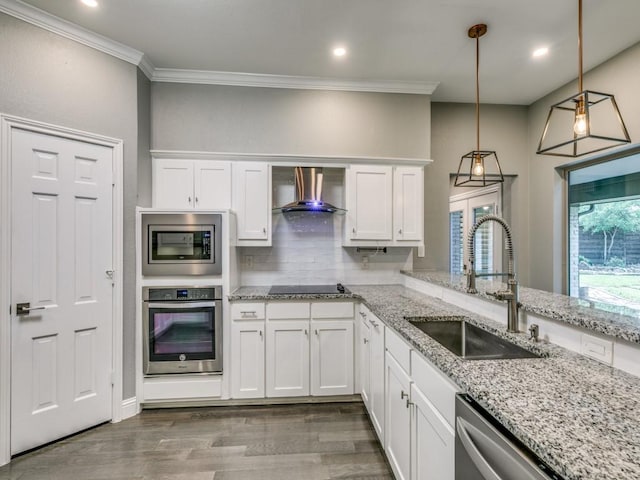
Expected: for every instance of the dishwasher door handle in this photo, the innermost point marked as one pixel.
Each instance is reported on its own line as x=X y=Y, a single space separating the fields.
x=463 y=428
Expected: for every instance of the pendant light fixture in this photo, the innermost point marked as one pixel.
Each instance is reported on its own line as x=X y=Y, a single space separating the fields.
x=584 y=123
x=478 y=168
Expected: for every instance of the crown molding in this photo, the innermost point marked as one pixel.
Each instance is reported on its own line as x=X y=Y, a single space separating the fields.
x=171 y=75
x=47 y=21
x=146 y=66
x=287 y=159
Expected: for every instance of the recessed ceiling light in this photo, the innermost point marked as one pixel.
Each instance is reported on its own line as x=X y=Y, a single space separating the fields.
x=540 y=52
x=90 y=3
x=339 y=51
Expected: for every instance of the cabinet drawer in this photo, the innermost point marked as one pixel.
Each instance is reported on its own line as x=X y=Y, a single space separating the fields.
x=399 y=349
x=288 y=310
x=332 y=310
x=247 y=311
x=436 y=386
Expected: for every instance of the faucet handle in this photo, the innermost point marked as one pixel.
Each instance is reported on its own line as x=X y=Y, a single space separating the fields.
x=502 y=294
x=534 y=331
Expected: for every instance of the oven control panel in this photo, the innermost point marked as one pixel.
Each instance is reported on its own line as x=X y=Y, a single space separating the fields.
x=182 y=294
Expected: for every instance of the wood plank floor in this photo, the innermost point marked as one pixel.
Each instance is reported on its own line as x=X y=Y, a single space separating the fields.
x=281 y=442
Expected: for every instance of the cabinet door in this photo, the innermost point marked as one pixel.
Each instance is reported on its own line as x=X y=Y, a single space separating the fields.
x=377 y=374
x=432 y=441
x=408 y=203
x=173 y=183
x=369 y=202
x=332 y=357
x=212 y=184
x=364 y=363
x=287 y=358
x=397 y=444
x=247 y=359
x=252 y=200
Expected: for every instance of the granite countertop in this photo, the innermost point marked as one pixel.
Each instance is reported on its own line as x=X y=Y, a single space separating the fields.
x=612 y=320
x=579 y=416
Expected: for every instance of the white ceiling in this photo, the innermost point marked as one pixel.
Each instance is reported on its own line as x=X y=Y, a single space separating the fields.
x=401 y=40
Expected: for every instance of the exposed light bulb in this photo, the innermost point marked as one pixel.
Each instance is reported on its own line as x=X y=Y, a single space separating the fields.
x=339 y=51
x=580 y=121
x=580 y=124
x=90 y=3
x=478 y=167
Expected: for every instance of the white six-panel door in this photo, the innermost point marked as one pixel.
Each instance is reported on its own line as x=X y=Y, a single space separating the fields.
x=61 y=254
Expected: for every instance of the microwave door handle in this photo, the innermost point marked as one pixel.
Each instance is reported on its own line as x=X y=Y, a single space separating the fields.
x=487 y=472
x=181 y=305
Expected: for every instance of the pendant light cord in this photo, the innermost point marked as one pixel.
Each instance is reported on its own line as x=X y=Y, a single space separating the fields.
x=478 y=92
x=580 y=45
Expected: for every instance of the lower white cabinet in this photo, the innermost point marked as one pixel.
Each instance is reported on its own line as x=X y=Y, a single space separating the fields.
x=397 y=443
x=432 y=441
x=292 y=349
x=247 y=358
x=332 y=357
x=287 y=358
x=411 y=408
x=372 y=370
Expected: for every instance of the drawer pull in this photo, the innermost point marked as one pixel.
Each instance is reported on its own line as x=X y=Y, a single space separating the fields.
x=251 y=313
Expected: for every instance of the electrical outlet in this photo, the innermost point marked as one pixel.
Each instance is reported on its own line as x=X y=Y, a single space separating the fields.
x=248 y=261
x=365 y=262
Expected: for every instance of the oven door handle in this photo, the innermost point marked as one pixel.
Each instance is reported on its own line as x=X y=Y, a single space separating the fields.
x=181 y=305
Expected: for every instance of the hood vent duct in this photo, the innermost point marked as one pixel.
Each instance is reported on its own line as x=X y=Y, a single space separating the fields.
x=308 y=190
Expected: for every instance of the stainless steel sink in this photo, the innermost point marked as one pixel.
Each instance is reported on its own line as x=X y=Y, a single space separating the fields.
x=468 y=341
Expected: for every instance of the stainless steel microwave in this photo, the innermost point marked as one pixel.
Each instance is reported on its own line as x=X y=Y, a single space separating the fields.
x=181 y=244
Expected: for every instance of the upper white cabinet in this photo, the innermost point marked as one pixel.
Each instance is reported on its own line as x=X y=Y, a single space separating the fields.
x=408 y=203
x=385 y=206
x=186 y=184
x=369 y=194
x=252 y=202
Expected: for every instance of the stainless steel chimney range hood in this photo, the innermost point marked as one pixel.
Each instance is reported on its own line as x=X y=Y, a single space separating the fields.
x=308 y=190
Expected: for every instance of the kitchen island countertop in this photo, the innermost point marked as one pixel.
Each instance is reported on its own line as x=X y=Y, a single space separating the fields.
x=579 y=416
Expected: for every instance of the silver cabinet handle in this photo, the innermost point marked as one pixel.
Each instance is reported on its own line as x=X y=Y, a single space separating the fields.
x=362 y=314
x=251 y=313
x=403 y=394
x=189 y=200
x=354 y=229
x=260 y=334
x=109 y=273
x=316 y=332
x=264 y=230
x=365 y=341
x=197 y=200
x=400 y=231
x=409 y=403
x=375 y=324
x=26 y=308
x=306 y=332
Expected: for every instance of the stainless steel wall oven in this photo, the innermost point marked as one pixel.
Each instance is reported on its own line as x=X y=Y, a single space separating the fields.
x=182 y=329
x=181 y=244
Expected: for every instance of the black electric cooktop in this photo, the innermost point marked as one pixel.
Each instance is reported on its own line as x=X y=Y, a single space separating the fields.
x=309 y=290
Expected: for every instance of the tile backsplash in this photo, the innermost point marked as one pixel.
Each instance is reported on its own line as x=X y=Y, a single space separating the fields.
x=307 y=247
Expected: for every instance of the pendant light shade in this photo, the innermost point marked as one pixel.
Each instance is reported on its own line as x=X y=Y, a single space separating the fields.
x=584 y=123
x=478 y=168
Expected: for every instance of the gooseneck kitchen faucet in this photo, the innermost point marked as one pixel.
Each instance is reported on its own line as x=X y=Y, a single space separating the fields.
x=511 y=294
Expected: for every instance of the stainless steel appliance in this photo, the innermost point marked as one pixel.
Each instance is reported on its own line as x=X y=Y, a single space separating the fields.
x=308 y=188
x=181 y=244
x=485 y=450
x=182 y=329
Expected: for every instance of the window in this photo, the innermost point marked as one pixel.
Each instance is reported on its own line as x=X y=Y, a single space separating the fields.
x=604 y=232
x=464 y=210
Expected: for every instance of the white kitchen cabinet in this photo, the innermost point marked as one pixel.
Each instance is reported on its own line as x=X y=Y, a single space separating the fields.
x=408 y=203
x=252 y=203
x=191 y=184
x=364 y=361
x=287 y=352
x=332 y=357
x=247 y=359
x=432 y=441
x=369 y=195
x=375 y=371
x=397 y=443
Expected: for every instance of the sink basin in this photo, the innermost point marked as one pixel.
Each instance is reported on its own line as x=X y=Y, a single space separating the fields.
x=470 y=342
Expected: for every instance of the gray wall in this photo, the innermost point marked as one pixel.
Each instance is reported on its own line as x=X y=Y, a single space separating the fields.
x=144 y=140
x=503 y=128
x=271 y=120
x=618 y=76
x=48 y=78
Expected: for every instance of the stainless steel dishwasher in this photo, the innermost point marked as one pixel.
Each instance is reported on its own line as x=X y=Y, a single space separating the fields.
x=485 y=450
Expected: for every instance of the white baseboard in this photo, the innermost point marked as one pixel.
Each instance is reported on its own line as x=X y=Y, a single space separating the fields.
x=130 y=408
